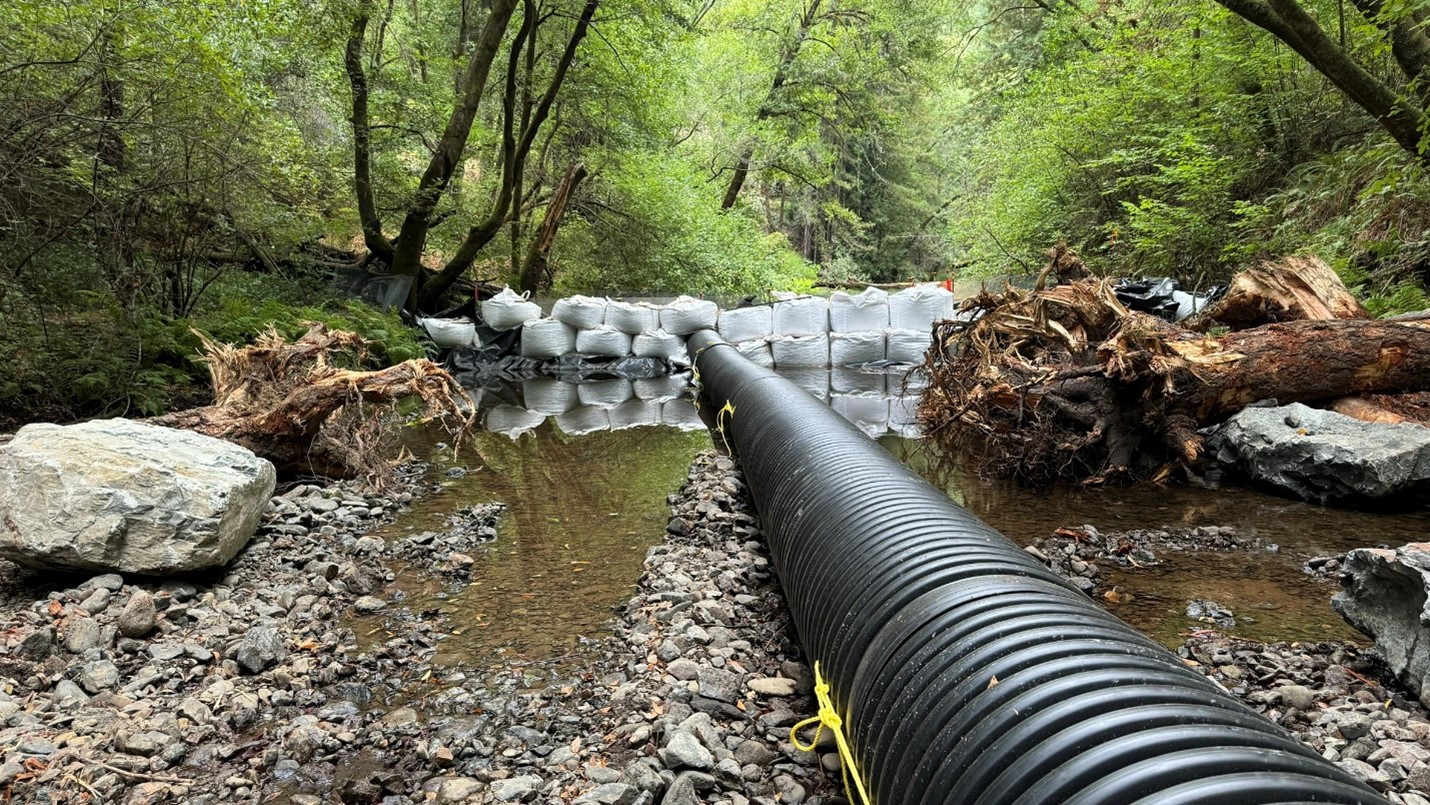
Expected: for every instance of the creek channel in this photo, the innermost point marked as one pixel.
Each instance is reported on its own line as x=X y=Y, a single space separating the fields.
x=586 y=501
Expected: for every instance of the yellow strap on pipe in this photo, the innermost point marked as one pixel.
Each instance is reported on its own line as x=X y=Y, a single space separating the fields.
x=828 y=719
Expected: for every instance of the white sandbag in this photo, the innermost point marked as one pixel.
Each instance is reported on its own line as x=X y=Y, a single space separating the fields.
x=632 y=317
x=686 y=314
x=547 y=338
x=659 y=344
x=547 y=395
x=908 y=346
x=659 y=389
x=510 y=421
x=814 y=381
x=758 y=352
x=869 y=414
x=849 y=349
x=604 y=393
x=855 y=313
x=917 y=308
x=450 y=333
x=603 y=342
x=509 y=310
x=844 y=380
x=747 y=323
x=800 y=350
x=635 y=414
x=681 y=414
x=581 y=312
x=583 y=420
x=804 y=315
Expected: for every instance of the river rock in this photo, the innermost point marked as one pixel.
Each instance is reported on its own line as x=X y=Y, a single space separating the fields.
x=1383 y=593
x=127 y=496
x=261 y=647
x=1322 y=455
x=138 y=616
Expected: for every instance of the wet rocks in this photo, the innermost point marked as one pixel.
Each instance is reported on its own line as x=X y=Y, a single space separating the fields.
x=132 y=497
x=1383 y=593
x=1211 y=612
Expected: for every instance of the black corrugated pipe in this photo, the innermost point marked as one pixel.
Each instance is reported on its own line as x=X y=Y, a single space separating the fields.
x=965 y=671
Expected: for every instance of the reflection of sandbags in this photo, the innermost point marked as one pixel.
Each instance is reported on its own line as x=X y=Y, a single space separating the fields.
x=546 y=338
x=633 y=368
x=681 y=414
x=858 y=312
x=917 y=308
x=549 y=396
x=908 y=346
x=814 y=381
x=665 y=387
x=909 y=382
x=686 y=315
x=849 y=349
x=604 y=393
x=870 y=414
x=803 y=315
x=631 y=317
x=844 y=380
x=747 y=323
x=450 y=333
x=606 y=342
x=581 y=312
x=659 y=344
x=510 y=421
x=903 y=412
x=800 y=350
x=635 y=414
x=583 y=420
x=758 y=352
x=509 y=310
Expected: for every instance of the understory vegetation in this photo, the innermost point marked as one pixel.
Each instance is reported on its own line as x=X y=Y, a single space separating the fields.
x=224 y=167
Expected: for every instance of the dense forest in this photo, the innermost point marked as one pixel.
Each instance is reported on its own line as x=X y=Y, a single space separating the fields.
x=220 y=166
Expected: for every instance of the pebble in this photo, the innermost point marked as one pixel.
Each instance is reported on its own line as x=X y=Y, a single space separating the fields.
x=139 y=615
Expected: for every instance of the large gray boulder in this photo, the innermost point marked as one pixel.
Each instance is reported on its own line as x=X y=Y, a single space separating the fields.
x=117 y=495
x=1322 y=455
x=1383 y=594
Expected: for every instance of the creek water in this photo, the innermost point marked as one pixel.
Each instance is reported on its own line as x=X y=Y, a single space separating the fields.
x=586 y=502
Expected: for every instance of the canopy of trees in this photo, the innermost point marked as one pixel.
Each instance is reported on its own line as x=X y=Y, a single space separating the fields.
x=219 y=164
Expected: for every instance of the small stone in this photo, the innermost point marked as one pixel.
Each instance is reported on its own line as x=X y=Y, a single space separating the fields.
x=97 y=601
x=98 y=676
x=609 y=794
x=515 y=789
x=67 y=695
x=1353 y=725
x=458 y=789
x=684 y=751
x=369 y=604
x=108 y=581
x=683 y=669
x=39 y=644
x=261 y=647
x=772 y=686
x=682 y=792
x=145 y=744
x=138 y=616
x=719 y=684
x=1299 y=696
x=400 y=717
x=754 y=752
x=83 y=635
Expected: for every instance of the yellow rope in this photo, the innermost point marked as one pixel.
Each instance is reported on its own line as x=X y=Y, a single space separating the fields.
x=827 y=718
x=720 y=423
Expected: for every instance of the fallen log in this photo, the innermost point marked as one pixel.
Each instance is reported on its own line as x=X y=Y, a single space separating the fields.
x=290 y=403
x=1291 y=289
x=1068 y=383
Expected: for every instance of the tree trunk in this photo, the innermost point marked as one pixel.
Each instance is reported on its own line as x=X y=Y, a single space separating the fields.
x=533 y=270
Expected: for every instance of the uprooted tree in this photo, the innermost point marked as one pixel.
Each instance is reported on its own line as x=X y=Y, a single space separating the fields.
x=294 y=405
x=1067 y=382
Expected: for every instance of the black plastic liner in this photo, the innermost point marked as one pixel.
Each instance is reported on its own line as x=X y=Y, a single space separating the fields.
x=964 y=670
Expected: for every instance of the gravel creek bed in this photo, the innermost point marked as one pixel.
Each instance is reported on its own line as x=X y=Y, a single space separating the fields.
x=246 y=686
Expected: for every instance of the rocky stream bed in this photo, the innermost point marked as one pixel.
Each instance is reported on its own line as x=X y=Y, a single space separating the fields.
x=249 y=686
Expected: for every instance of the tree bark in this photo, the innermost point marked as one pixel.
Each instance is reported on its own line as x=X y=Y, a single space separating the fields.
x=1408 y=44
x=533 y=269
x=371 y=222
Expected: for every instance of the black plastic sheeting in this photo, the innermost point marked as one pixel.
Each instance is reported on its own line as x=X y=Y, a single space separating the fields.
x=963 y=669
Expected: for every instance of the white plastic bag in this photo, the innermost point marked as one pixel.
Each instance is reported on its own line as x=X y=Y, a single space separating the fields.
x=547 y=338
x=844 y=380
x=814 y=381
x=583 y=420
x=747 y=323
x=635 y=414
x=908 y=346
x=510 y=421
x=869 y=414
x=450 y=333
x=632 y=318
x=917 y=308
x=605 y=393
x=849 y=349
x=804 y=315
x=604 y=342
x=659 y=344
x=856 y=313
x=758 y=352
x=685 y=315
x=581 y=312
x=659 y=389
x=547 y=395
x=509 y=310
x=800 y=350
x=682 y=414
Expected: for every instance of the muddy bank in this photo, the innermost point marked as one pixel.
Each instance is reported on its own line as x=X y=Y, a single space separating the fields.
x=247 y=687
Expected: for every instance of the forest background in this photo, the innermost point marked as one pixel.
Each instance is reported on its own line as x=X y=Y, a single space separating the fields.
x=216 y=165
